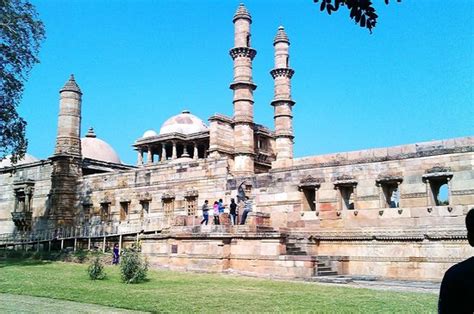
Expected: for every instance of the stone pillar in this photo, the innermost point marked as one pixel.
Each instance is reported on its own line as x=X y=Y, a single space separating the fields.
x=174 y=153
x=243 y=88
x=140 y=157
x=282 y=101
x=195 y=151
x=149 y=156
x=163 y=152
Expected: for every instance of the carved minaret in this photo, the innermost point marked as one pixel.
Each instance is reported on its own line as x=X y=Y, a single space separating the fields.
x=67 y=156
x=243 y=88
x=68 y=140
x=282 y=101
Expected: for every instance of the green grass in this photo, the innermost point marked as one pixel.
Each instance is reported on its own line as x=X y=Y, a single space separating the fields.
x=167 y=291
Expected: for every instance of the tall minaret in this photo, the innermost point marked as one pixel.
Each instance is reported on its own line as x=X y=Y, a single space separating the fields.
x=282 y=101
x=68 y=140
x=66 y=161
x=243 y=88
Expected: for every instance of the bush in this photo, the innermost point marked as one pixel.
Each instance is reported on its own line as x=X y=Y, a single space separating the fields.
x=80 y=256
x=96 y=269
x=133 y=268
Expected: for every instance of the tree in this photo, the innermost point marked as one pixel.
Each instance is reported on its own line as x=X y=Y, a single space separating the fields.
x=361 y=11
x=21 y=34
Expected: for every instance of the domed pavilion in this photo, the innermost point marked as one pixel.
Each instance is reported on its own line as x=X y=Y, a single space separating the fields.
x=181 y=137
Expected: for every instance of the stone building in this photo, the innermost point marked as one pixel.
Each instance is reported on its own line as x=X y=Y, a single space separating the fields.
x=395 y=212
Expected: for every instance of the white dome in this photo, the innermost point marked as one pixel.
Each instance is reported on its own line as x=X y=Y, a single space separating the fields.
x=95 y=148
x=149 y=133
x=27 y=159
x=184 y=123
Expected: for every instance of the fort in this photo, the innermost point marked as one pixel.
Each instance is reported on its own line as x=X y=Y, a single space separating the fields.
x=395 y=212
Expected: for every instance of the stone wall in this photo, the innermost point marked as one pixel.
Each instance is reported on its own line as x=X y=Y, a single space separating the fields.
x=247 y=253
x=204 y=179
x=39 y=173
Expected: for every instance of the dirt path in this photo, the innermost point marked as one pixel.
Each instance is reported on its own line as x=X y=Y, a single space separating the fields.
x=10 y=303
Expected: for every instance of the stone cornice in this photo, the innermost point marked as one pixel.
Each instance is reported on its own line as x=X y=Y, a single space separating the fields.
x=245 y=52
x=158 y=139
x=455 y=233
x=280 y=102
x=246 y=84
x=425 y=149
x=286 y=72
x=221 y=117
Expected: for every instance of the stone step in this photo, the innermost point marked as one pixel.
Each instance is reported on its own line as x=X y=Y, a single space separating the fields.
x=324 y=268
x=332 y=279
x=296 y=253
x=327 y=273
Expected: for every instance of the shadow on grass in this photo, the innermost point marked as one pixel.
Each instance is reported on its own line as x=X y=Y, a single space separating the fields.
x=6 y=262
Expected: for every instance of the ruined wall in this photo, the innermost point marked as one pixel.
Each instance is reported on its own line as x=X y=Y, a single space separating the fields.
x=39 y=175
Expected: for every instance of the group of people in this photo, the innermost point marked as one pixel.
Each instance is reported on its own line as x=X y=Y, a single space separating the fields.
x=219 y=207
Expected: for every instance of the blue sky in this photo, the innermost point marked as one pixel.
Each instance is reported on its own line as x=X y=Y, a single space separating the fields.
x=140 y=62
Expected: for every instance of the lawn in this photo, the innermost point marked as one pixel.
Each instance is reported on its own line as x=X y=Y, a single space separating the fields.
x=167 y=291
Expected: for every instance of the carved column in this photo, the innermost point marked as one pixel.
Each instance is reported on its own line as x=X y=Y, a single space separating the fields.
x=149 y=156
x=195 y=151
x=174 y=153
x=339 y=198
x=428 y=192
x=316 y=198
x=163 y=152
x=140 y=157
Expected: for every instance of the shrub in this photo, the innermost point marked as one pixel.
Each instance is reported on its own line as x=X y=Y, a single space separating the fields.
x=12 y=253
x=80 y=256
x=133 y=268
x=96 y=269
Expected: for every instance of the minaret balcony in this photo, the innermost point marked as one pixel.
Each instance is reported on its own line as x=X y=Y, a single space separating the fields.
x=287 y=72
x=246 y=52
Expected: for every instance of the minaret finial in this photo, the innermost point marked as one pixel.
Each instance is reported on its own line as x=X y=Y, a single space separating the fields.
x=91 y=133
x=281 y=36
x=71 y=86
x=242 y=13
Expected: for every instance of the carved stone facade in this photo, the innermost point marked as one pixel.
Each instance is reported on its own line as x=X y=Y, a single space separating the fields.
x=376 y=212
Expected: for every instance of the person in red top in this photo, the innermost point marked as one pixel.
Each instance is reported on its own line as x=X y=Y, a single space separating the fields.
x=457 y=288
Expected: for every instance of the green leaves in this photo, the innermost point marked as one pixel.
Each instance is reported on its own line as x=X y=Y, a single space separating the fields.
x=361 y=11
x=133 y=268
x=21 y=34
x=96 y=269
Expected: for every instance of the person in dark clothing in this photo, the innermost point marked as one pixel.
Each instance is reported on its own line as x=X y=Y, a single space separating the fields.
x=205 y=212
x=116 y=257
x=233 y=211
x=457 y=288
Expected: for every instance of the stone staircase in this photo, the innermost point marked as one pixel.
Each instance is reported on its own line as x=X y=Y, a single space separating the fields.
x=324 y=268
x=293 y=247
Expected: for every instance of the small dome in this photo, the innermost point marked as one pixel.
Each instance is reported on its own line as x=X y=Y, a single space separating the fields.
x=184 y=123
x=27 y=159
x=149 y=133
x=95 y=148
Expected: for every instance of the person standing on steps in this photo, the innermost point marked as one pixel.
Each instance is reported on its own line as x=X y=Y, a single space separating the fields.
x=205 y=212
x=247 y=210
x=216 y=213
x=233 y=212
